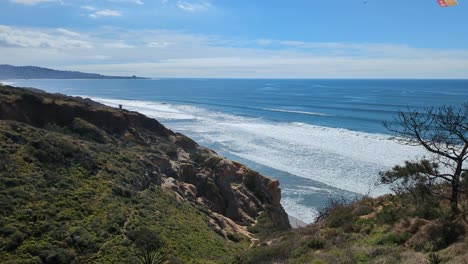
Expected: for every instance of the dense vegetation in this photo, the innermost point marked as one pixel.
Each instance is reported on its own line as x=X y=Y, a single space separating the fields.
x=76 y=191
x=406 y=228
x=63 y=198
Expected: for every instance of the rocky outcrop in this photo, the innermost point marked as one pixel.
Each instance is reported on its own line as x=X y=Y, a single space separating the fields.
x=232 y=195
x=229 y=189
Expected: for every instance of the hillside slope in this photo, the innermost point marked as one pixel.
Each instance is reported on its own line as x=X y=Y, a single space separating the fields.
x=77 y=177
x=410 y=228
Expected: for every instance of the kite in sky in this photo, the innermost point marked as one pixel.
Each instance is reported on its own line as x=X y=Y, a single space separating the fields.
x=446 y=3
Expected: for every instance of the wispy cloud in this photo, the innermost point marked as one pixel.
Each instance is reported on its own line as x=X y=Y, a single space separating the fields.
x=41 y=39
x=174 y=54
x=159 y=44
x=193 y=6
x=68 y=32
x=105 y=13
x=138 y=2
x=32 y=2
x=96 y=12
x=89 y=8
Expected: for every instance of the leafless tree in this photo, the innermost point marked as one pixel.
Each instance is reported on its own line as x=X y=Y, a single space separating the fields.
x=442 y=131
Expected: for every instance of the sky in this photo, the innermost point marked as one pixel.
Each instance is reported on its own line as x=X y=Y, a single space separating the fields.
x=239 y=38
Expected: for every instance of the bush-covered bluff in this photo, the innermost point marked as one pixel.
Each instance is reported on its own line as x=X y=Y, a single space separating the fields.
x=77 y=178
x=410 y=228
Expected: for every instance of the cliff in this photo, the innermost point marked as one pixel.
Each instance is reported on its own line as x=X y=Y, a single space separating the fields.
x=77 y=176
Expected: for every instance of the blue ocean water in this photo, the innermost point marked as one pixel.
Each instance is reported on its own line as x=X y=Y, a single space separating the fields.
x=320 y=138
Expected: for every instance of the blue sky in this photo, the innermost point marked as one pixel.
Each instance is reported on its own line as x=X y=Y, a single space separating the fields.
x=239 y=38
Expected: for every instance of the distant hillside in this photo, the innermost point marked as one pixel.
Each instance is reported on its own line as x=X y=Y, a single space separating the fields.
x=33 y=72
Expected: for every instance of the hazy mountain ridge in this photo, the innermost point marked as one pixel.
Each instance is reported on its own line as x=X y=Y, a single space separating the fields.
x=34 y=72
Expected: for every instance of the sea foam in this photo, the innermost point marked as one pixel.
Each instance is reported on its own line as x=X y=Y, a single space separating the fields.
x=294 y=112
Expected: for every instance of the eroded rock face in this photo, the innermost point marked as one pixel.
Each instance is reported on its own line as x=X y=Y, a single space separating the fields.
x=231 y=189
x=230 y=192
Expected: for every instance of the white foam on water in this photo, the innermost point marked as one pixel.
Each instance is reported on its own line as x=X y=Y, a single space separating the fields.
x=306 y=190
x=295 y=112
x=341 y=158
x=302 y=212
x=156 y=110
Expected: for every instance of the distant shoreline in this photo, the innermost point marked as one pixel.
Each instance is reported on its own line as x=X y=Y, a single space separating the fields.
x=8 y=72
x=116 y=78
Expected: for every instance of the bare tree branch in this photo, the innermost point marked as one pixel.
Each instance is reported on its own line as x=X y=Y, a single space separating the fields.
x=442 y=131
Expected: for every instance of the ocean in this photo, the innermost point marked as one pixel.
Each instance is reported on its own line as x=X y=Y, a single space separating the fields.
x=320 y=138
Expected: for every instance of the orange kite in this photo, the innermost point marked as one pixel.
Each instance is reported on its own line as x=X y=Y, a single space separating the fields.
x=446 y=3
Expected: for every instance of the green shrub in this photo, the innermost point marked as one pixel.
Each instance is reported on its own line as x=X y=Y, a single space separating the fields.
x=212 y=162
x=267 y=254
x=83 y=241
x=339 y=207
x=185 y=143
x=436 y=236
x=149 y=245
x=362 y=210
x=170 y=150
x=390 y=215
x=239 y=259
x=89 y=131
x=198 y=157
x=14 y=241
x=56 y=256
x=341 y=216
x=31 y=98
x=56 y=128
x=315 y=243
x=396 y=239
x=263 y=226
x=235 y=237
x=51 y=150
x=122 y=191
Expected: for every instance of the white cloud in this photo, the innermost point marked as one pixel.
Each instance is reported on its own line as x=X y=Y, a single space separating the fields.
x=105 y=13
x=138 y=2
x=193 y=6
x=68 y=32
x=89 y=8
x=30 y=38
x=159 y=44
x=163 y=53
x=31 y=2
x=118 y=45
